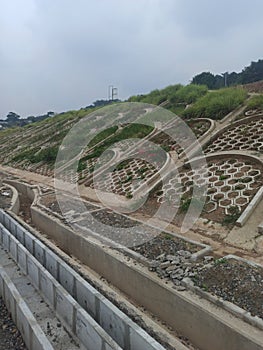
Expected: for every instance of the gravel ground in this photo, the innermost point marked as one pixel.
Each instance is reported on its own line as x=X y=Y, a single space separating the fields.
x=113 y=219
x=164 y=244
x=10 y=338
x=236 y=282
x=66 y=205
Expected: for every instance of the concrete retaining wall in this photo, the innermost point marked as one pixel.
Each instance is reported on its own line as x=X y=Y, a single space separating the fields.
x=26 y=323
x=250 y=208
x=15 y=202
x=119 y=326
x=24 y=189
x=206 y=329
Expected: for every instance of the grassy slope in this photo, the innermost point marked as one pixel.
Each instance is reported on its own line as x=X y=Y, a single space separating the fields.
x=39 y=142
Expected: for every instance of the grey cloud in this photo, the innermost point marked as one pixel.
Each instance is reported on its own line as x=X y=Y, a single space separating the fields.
x=62 y=54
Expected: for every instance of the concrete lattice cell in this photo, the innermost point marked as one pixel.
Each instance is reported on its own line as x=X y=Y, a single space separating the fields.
x=246 y=136
x=231 y=183
x=124 y=181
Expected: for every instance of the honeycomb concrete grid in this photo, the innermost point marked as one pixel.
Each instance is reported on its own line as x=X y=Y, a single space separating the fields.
x=199 y=128
x=126 y=180
x=231 y=183
x=246 y=136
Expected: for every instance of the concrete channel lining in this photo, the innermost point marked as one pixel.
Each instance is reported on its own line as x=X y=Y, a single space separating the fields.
x=74 y=318
x=119 y=326
x=32 y=334
x=15 y=202
x=195 y=318
x=250 y=208
x=205 y=249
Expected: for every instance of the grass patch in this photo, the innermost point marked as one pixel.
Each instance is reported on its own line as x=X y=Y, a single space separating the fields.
x=232 y=217
x=217 y=104
x=255 y=102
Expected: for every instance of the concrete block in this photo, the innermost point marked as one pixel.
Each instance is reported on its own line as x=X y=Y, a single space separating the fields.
x=85 y=331
x=12 y=295
x=22 y=323
x=4 y=220
x=13 y=227
x=39 y=340
x=86 y=296
x=29 y=243
x=12 y=306
x=65 y=306
x=20 y=235
x=141 y=340
x=1 y=216
x=22 y=258
x=107 y=346
x=1 y=234
x=51 y=263
x=113 y=322
x=13 y=248
x=6 y=294
x=40 y=252
x=33 y=271
x=6 y=239
x=47 y=287
x=91 y=334
x=66 y=278
x=7 y=221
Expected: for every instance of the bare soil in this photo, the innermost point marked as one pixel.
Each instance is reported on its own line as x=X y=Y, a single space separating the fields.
x=254 y=87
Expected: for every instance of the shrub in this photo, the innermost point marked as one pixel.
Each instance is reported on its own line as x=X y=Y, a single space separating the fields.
x=216 y=104
x=256 y=102
x=174 y=94
x=47 y=155
x=189 y=94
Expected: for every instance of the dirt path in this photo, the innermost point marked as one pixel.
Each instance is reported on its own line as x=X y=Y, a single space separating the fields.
x=213 y=234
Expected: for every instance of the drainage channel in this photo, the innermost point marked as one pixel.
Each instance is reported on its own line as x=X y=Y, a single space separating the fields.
x=36 y=321
x=92 y=319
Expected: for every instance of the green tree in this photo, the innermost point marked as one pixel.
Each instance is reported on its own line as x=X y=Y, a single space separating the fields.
x=205 y=78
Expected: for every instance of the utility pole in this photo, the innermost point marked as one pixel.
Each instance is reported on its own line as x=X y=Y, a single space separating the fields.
x=112 y=93
x=225 y=75
x=110 y=87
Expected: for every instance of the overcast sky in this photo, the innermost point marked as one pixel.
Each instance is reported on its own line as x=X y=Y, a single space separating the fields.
x=62 y=54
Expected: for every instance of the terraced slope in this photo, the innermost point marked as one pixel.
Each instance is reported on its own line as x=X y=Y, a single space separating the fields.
x=35 y=148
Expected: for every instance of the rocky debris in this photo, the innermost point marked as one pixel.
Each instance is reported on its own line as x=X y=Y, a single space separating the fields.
x=174 y=267
x=10 y=337
x=232 y=280
x=166 y=247
x=110 y=218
